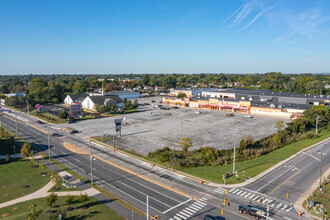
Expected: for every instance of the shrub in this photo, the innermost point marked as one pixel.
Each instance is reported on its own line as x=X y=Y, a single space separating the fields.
x=63 y=115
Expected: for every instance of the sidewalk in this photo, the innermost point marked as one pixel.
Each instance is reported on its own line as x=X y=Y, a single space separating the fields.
x=43 y=192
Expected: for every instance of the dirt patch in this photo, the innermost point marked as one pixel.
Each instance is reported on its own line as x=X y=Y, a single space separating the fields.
x=5 y=194
x=4 y=215
x=74 y=148
x=5 y=185
x=69 y=209
x=14 y=208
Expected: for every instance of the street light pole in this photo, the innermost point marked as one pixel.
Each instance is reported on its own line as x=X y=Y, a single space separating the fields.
x=16 y=125
x=48 y=141
x=317 y=118
x=91 y=158
x=234 y=158
x=181 y=128
x=114 y=143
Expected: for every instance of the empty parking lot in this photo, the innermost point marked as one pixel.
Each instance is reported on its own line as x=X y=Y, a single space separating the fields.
x=153 y=128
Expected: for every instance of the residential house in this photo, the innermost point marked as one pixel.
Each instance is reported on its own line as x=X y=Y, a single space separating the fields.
x=73 y=98
x=96 y=102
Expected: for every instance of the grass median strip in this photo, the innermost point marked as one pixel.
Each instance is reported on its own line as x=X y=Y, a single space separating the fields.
x=253 y=167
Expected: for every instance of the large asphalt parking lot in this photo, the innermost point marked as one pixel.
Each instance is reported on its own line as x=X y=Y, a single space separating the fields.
x=153 y=128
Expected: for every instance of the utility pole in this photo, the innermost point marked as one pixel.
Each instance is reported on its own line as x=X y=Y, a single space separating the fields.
x=234 y=158
x=91 y=158
x=317 y=118
x=173 y=157
x=16 y=124
x=48 y=141
x=114 y=143
x=181 y=128
x=27 y=105
x=147 y=207
x=321 y=169
x=267 y=210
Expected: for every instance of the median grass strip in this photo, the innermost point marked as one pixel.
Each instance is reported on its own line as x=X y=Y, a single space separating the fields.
x=48 y=117
x=253 y=167
x=95 y=210
x=19 y=178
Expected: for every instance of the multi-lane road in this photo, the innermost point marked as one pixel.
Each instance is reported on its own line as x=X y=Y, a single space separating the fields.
x=172 y=196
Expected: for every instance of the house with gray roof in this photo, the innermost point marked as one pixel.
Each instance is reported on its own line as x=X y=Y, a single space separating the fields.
x=73 y=98
x=96 y=102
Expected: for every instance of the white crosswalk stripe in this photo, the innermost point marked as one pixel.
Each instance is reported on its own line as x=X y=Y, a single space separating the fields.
x=177 y=218
x=288 y=209
x=265 y=201
x=279 y=205
x=231 y=190
x=235 y=191
x=187 y=212
x=239 y=193
x=247 y=195
x=191 y=210
x=171 y=218
x=284 y=207
x=181 y=216
x=195 y=206
x=252 y=196
x=243 y=193
x=184 y=214
x=202 y=203
x=272 y=205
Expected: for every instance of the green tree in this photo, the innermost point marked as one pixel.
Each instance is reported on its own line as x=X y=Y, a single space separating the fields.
x=135 y=104
x=185 y=143
x=146 y=80
x=36 y=85
x=56 y=178
x=26 y=150
x=63 y=115
x=69 y=199
x=279 y=126
x=114 y=108
x=181 y=95
x=78 y=88
x=34 y=212
x=51 y=199
x=83 y=198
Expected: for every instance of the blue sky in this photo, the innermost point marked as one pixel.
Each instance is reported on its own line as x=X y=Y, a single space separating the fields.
x=172 y=36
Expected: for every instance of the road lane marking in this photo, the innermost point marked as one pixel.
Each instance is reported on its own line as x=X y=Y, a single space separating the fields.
x=318 y=159
x=176 y=206
x=284 y=182
x=273 y=180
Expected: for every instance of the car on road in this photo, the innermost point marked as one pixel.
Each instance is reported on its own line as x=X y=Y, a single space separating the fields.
x=257 y=212
x=229 y=115
x=146 y=103
x=39 y=122
x=210 y=217
x=55 y=135
x=74 y=131
x=153 y=101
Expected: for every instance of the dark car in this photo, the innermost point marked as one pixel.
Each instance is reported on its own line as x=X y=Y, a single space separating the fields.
x=74 y=131
x=253 y=211
x=39 y=122
x=72 y=121
x=55 y=135
x=153 y=101
x=146 y=103
x=210 y=217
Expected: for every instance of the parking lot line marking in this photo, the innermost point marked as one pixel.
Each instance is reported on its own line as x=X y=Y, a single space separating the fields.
x=176 y=206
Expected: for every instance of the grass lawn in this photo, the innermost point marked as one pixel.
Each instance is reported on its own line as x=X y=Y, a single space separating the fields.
x=63 y=188
x=253 y=167
x=96 y=210
x=17 y=174
x=102 y=139
x=48 y=117
x=318 y=199
x=7 y=148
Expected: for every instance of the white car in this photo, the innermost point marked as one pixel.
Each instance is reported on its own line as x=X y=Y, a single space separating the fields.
x=248 y=116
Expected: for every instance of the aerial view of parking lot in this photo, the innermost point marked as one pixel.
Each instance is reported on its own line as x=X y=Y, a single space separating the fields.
x=152 y=127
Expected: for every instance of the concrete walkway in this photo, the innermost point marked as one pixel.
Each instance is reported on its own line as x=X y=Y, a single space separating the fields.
x=43 y=192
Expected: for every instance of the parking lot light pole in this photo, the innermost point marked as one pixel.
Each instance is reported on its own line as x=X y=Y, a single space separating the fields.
x=16 y=125
x=114 y=143
x=173 y=157
x=91 y=158
x=234 y=158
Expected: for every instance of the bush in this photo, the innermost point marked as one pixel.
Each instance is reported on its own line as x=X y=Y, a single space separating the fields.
x=63 y=115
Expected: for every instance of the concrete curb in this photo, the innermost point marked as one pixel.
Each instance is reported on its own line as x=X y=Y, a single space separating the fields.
x=298 y=204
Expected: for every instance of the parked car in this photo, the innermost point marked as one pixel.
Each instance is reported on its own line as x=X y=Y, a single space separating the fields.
x=229 y=115
x=209 y=217
x=55 y=135
x=257 y=212
x=248 y=116
x=39 y=122
x=153 y=101
x=146 y=103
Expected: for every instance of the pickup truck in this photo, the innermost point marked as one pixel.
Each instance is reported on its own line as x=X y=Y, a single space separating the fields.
x=258 y=213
